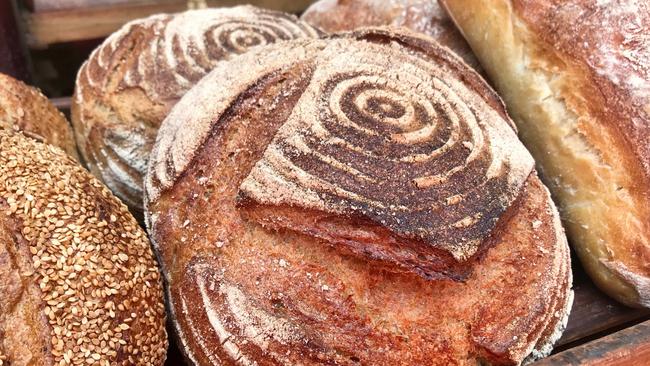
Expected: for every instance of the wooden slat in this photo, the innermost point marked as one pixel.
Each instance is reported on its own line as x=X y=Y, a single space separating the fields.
x=593 y=312
x=83 y=24
x=630 y=346
x=62 y=103
x=50 y=5
x=45 y=28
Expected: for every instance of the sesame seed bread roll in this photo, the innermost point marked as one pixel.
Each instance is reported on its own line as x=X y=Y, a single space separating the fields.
x=131 y=81
x=359 y=199
x=424 y=16
x=78 y=279
x=24 y=108
x=575 y=74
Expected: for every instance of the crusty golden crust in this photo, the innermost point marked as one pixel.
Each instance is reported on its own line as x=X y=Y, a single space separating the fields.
x=24 y=108
x=24 y=329
x=129 y=84
x=242 y=294
x=79 y=281
x=424 y=16
x=576 y=77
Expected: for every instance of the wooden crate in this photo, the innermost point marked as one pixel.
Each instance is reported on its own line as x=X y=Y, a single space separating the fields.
x=46 y=25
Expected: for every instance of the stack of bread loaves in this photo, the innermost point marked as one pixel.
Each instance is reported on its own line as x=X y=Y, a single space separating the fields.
x=357 y=199
x=78 y=279
x=575 y=75
x=132 y=80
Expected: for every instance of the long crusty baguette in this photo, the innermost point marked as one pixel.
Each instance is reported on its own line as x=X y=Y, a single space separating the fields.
x=576 y=77
x=130 y=82
x=305 y=216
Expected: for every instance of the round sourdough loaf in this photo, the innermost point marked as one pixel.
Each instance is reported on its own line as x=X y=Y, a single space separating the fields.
x=129 y=84
x=24 y=108
x=575 y=75
x=424 y=16
x=78 y=279
x=360 y=199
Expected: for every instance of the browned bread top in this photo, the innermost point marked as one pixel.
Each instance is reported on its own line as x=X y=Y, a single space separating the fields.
x=422 y=148
x=24 y=108
x=610 y=42
x=246 y=230
x=79 y=281
x=130 y=82
x=424 y=16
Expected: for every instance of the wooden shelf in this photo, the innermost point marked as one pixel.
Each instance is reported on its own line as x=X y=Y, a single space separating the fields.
x=630 y=346
x=91 y=22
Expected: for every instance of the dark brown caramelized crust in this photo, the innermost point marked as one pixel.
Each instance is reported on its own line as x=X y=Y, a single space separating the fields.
x=258 y=268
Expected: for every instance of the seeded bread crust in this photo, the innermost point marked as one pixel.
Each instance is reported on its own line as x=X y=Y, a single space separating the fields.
x=25 y=109
x=423 y=16
x=130 y=82
x=243 y=291
x=79 y=281
x=576 y=77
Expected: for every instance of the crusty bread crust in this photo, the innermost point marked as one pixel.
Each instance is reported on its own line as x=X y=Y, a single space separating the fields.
x=240 y=293
x=24 y=108
x=433 y=159
x=78 y=279
x=129 y=83
x=423 y=16
x=576 y=77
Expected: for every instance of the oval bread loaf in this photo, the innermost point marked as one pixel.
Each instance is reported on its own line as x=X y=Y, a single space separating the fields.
x=575 y=75
x=129 y=84
x=24 y=108
x=424 y=16
x=360 y=199
x=78 y=279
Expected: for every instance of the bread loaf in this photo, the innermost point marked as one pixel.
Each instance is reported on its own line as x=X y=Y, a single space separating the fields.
x=130 y=82
x=424 y=16
x=24 y=108
x=78 y=279
x=360 y=199
x=575 y=75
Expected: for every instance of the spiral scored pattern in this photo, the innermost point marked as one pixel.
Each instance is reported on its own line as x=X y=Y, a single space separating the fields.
x=290 y=127
x=397 y=139
x=162 y=56
x=182 y=48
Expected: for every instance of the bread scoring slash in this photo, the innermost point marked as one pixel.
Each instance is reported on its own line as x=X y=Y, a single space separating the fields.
x=359 y=199
x=131 y=81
